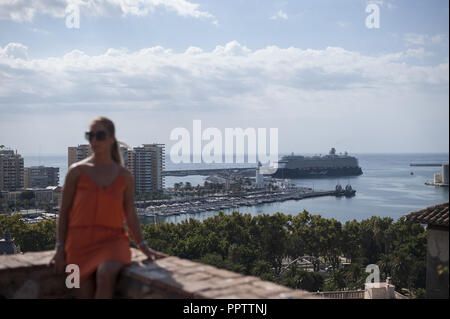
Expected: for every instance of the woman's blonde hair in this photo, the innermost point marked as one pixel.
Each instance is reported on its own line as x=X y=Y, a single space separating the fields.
x=115 y=148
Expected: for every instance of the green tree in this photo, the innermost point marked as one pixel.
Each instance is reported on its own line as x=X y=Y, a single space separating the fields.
x=355 y=276
x=263 y=270
x=297 y=278
x=37 y=237
x=336 y=281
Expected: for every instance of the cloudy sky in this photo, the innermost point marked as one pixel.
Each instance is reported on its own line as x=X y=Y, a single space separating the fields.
x=312 y=69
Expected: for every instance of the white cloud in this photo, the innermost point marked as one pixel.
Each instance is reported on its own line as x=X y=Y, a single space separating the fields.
x=229 y=77
x=232 y=48
x=420 y=53
x=14 y=51
x=26 y=10
x=279 y=15
x=326 y=95
x=414 y=39
x=422 y=39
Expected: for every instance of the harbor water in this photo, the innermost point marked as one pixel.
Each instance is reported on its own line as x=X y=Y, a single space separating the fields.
x=389 y=187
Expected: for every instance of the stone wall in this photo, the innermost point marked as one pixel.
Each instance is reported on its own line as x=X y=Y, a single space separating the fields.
x=29 y=276
x=437 y=263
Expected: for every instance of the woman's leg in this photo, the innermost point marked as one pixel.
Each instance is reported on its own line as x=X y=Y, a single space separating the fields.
x=106 y=277
x=87 y=288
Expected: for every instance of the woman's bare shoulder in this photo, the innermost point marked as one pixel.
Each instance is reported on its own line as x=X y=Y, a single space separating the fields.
x=73 y=173
x=126 y=173
x=76 y=169
x=128 y=177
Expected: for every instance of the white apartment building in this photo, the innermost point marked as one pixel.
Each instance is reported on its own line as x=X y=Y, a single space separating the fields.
x=146 y=164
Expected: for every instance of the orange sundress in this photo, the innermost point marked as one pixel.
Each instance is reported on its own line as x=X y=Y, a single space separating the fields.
x=96 y=230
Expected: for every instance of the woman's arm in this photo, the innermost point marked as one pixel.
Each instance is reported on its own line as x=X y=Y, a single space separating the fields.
x=133 y=221
x=68 y=193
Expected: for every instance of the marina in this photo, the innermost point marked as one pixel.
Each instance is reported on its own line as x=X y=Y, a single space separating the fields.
x=387 y=188
x=33 y=216
x=199 y=204
x=206 y=172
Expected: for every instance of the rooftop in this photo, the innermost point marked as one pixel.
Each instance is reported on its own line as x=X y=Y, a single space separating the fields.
x=433 y=216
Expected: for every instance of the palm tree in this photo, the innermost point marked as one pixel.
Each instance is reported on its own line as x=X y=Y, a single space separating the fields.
x=354 y=276
x=336 y=281
x=386 y=264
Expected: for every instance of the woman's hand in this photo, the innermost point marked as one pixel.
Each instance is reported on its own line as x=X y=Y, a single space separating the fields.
x=152 y=254
x=59 y=261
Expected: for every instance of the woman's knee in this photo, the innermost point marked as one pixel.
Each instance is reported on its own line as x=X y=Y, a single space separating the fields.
x=108 y=270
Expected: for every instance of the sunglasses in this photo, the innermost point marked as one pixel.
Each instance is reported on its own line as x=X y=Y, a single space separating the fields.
x=99 y=135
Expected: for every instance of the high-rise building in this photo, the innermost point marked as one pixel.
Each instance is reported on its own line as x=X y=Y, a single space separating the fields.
x=124 y=152
x=158 y=165
x=41 y=176
x=78 y=153
x=11 y=170
x=146 y=164
x=141 y=159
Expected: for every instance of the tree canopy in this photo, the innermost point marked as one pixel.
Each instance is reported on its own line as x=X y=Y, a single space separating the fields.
x=267 y=246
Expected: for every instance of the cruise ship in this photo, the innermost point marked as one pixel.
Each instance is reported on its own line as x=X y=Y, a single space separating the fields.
x=297 y=166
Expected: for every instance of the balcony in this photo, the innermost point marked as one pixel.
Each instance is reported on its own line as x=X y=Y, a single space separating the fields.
x=27 y=276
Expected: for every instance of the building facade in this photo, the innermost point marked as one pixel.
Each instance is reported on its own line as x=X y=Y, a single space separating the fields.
x=78 y=153
x=40 y=176
x=158 y=166
x=11 y=170
x=436 y=219
x=146 y=164
x=50 y=194
x=142 y=160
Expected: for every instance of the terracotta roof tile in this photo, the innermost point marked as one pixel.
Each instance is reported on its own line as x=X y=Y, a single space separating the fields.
x=434 y=215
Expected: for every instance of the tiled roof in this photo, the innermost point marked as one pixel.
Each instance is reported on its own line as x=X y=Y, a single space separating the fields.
x=434 y=215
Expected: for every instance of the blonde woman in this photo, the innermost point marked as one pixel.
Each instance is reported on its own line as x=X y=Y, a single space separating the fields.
x=97 y=198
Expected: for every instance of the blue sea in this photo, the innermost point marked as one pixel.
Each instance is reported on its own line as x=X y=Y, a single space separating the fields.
x=386 y=189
